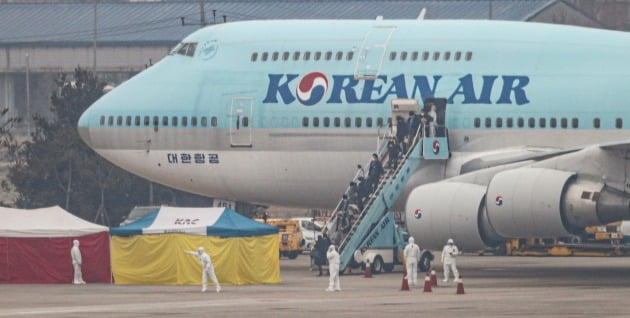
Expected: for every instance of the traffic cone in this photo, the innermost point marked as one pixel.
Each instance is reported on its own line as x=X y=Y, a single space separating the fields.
x=405 y=283
x=460 y=286
x=427 y=284
x=368 y=269
x=433 y=278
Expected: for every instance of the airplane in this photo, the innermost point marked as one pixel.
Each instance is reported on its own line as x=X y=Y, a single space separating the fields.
x=535 y=117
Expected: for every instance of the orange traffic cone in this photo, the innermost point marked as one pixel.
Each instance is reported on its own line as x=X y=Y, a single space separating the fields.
x=368 y=269
x=427 y=284
x=433 y=278
x=405 y=283
x=460 y=286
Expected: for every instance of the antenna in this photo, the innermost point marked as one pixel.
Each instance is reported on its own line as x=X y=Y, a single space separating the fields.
x=422 y=14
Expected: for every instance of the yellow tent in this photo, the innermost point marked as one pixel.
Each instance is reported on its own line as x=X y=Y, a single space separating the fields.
x=152 y=249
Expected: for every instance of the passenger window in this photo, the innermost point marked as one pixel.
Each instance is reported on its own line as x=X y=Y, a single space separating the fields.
x=254 y=57
x=307 y=56
x=184 y=121
x=618 y=123
x=285 y=56
x=368 y=122
x=347 y=122
x=531 y=122
x=326 y=122
x=193 y=121
x=204 y=121
x=147 y=121
x=499 y=122
x=447 y=56
x=317 y=56
x=316 y=122
x=102 y=120
x=553 y=122
x=468 y=56
x=403 y=56
x=156 y=121
x=264 y=57
x=165 y=121
x=305 y=122
x=542 y=122
x=296 y=56
x=128 y=121
x=214 y=121
x=357 y=122
x=458 y=56
x=596 y=123
x=328 y=56
x=477 y=122
x=488 y=122
x=392 y=56
x=414 y=56
x=174 y=121
x=339 y=56
x=510 y=122
x=520 y=123
x=245 y=121
x=379 y=122
x=436 y=56
x=110 y=121
x=563 y=123
x=349 y=56
x=575 y=123
x=274 y=56
x=137 y=120
x=425 y=56
x=337 y=122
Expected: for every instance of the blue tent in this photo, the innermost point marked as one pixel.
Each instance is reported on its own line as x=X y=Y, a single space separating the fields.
x=221 y=222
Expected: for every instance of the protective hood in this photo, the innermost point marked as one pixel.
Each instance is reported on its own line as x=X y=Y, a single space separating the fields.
x=411 y=240
x=75 y=243
x=331 y=248
x=450 y=241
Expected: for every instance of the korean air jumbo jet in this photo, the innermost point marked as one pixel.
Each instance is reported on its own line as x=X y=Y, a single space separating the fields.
x=535 y=121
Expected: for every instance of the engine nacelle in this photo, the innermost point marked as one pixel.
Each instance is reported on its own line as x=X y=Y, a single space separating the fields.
x=438 y=211
x=518 y=203
x=527 y=202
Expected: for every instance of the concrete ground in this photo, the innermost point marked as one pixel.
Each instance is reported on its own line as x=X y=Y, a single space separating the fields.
x=495 y=287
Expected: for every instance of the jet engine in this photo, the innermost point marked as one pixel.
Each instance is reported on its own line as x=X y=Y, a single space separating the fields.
x=518 y=203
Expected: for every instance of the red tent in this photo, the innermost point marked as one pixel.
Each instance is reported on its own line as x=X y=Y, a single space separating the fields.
x=35 y=247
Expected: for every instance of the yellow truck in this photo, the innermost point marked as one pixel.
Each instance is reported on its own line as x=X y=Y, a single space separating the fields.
x=291 y=240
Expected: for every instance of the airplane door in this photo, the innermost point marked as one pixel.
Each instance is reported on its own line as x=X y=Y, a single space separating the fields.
x=241 y=110
x=372 y=52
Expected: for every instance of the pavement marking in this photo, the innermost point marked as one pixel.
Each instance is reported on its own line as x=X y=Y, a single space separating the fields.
x=134 y=307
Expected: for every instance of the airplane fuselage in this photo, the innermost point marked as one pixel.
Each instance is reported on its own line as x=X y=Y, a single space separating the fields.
x=281 y=112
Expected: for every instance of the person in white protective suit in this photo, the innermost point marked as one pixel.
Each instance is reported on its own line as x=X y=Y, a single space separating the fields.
x=77 y=261
x=333 y=269
x=449 y=252
x=206 y=269
x=412 y=257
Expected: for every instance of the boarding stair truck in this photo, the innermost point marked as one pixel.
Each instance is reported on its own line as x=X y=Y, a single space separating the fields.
x=392 y=182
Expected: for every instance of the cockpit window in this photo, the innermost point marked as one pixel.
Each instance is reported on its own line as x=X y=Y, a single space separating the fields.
x=185 y=48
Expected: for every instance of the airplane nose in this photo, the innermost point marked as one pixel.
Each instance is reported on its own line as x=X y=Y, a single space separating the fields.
x=84 y=129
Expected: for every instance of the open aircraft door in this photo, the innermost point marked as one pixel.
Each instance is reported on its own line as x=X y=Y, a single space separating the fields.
x=241 y=110
x=372 y=52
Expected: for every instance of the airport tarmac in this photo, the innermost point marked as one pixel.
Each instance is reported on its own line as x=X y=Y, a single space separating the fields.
x=495 y=287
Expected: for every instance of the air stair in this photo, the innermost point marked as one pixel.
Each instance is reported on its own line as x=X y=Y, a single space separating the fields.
x=390 y=185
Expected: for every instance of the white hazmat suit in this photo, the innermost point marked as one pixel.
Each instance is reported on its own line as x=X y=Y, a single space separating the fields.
x=206 y=269
x=449 y=252
x=412 y=257
x=333 y=269
x=77 y=261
